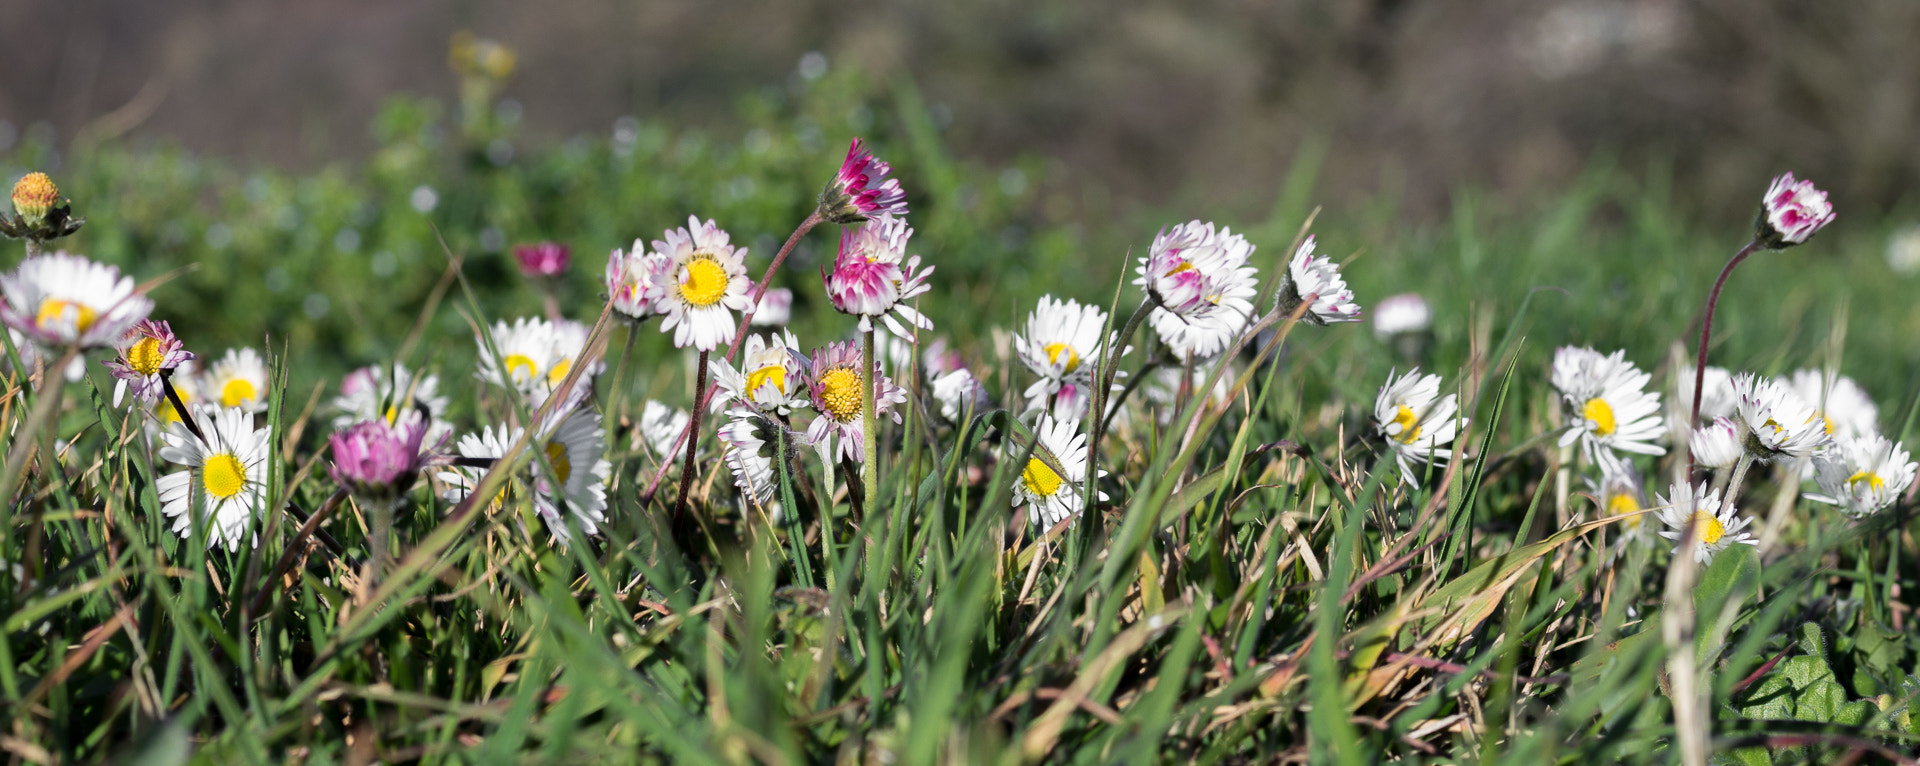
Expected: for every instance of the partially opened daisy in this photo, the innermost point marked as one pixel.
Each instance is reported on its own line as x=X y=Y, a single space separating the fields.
x=1619 y=492
x=1862 y=474
x=148 y=350
x=834 y=384
x=377 y=393
x=378 y=459
x=1052 y=496
x=1716 y=525
x=225 y=482
x=1845 y=409
x=705 y=282
x=1315 y=280
x=858 y=194
x=873 y=277
x=1061 y=344
x=239 y=379
x=1717 y=444
x=63 y=299
x=750 y=445
x=1201 y=285
x=1416 y=420
x=1775 y=422
x=633 y=279
x=1791 y=212
x=769 y=376
x=1607 y=404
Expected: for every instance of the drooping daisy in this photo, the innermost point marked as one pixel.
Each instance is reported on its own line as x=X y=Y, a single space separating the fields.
x=1608 y=406
x=1203 y=286
x=957 y=392
x=1718 y=399
x=750 y=446
x=835 y=385
x=1717 y=444
x=660 y=428
x=1716 y=527
x=1403 y=313
x=874 y=277
x=1416 y=420
x=632 y=280
x=1775 y=422
x=1791 y=212
x=858 y=194
x=64 y=299
x=577 y=484
x=1316 y=279
x=225 y=477
x=239 y=379
x=1061 y=345
x=1619 y=492
x=1846 y=410
x=706 y=282
x=148 y=350
x=1862 y=474
x=770 y=381
x=1053 y=496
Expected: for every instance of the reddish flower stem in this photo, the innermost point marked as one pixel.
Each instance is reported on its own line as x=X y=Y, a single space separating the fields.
x=693 y=427
x=1706 y=330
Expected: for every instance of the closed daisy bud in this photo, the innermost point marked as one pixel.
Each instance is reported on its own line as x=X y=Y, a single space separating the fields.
x=544 y=259
x=376 y=459
x=1716 y=444
x=34 y=196
x=1716 y=525
x=1863 y=475
x=1791 y=212
x=858 y=194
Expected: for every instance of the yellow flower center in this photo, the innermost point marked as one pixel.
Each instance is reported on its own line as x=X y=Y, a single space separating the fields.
x=1601 y=413
x=144 y=356
x=56 y=310
x=1873 y=481
x=1624 y=503
x=1409 y=424
x=237 y=392
x=224 y=475
x=1708 y=528
x=521 y=367
x=1053 y=355
x=559 y=372
x=840 y=390
x=1040 y=479
x=557 y=457
x=1827 y=421
x=705 y=283
x=772 y=373
x=1184 y=266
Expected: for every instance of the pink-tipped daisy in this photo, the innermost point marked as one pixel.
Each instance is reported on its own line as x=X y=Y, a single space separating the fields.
x=148 y=351
x=378 y=459
x=542 y=259
x=1791 y=212
x=1315 y=280
x=706 y=283
x=633 y=280
x=857 y=192
x=874 y=277
x=64 y=299
x=768 y=378
x=1202 y=284
x=834 y=384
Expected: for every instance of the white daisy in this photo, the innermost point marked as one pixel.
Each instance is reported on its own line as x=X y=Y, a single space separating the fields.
x=489 y=444
x=65 y=299
x=706 y=284
x=369 y=393
x=750 y=446
x=770 y=382
x=1403 y=313
x=1619 y=492
x=1050 y=496
x=957 y=392
x=239 y=379
x=1717 y=444
x=535 y=357
x=1203 y=286
x=1717 y=401
x=1316 y=278
x=1716 y=527
x=660 y=427
x=1608 y=406
x=633 y=280
x=1061 y=345
x=1847 y=411
x=1417 y=421
x=835 y=385
x=1862 y=474
x=1775 y=421
x=231 y=473
x=578 y=482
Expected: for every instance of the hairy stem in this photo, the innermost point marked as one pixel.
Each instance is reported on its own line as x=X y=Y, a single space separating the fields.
x=1706 y=331
x=869 y=425
x=693 y=427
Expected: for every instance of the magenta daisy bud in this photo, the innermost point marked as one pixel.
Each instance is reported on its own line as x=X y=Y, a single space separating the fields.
x=1202 y=284
x=857 y=194
x=874 y=277
x=632 y=279
x=148 y=350
x=834 y=384
x=1315 y=280
x=705 y=281
x=542 y=259
x=64 y=299
x=1791 y=212
x=377 y=460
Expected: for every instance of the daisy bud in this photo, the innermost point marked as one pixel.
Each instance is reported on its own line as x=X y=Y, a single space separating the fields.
x=377 y=460
x=874 y=277
x=544 y=259
x=1791 y=212
x=1316 y=279
x=1716 y=444
x=857 y=194
x=34 y=196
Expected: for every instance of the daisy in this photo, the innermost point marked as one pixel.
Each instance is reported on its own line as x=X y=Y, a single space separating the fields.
x=1061 y=344
x=958 y=392
x=1051 y=496
x=1775 y=421
x=1619 y=492
x=535 y=357
x=632 y=280
x=1845 y=409
x=1403 y=313
x=378 y=459
x=1791 y=212
x=857 y=194
x=1201 y=285
x=64 y=299
x=239 y=379
x=487 y=445
x=834 y=383
x=774 y=309
x=1715 y=526
x=148 y=350
x=1417 y=421
x=874 y=277
x=1316 y=278
x=542 y=260
x=1718 y=399
x=705 y=282
x=227 y=475
x=750 y=445
x=660 y=428
x=577 y=482
x=1607 y=404
x=770 y=381
x=1717 y=444
x=1863 y=474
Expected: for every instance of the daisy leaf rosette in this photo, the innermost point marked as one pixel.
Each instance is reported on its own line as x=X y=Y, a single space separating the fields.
x=1201 y=285
x=61 y=299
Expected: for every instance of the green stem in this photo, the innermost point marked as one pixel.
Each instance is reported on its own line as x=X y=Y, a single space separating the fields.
x=869 y=427
x=1097 y=399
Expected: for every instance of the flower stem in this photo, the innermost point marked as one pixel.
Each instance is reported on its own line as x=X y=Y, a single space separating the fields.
x=1706 y=330
x=1109 y=367
x=869 y=426
x=692 y=438
x=180 y=407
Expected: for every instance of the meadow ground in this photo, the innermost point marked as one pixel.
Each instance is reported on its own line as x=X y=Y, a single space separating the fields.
x=1257 y=577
